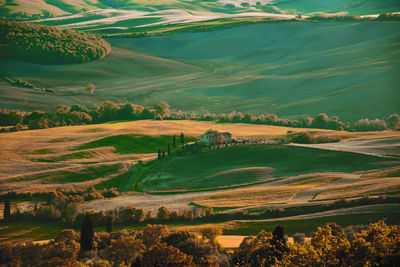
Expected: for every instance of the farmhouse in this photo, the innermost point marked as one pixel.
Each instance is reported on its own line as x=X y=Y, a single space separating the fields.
x=212 y=137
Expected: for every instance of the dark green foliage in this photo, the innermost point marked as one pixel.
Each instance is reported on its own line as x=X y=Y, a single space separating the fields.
x=174 y=141
x=308 y=138
x=182 y=138
x=109 y=224
x=334 y=18
x=37 y=120
x=159 y=154
x=7 y=206
x=169 y=149
x=278 y=234
x=8 y=118
x=87 y=233
x=390 y=17
x=49 y=45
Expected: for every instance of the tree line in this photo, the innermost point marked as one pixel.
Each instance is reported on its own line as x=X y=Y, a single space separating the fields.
x=48 y=44
x=107 y=111
x=156 y=245
x=62 y=207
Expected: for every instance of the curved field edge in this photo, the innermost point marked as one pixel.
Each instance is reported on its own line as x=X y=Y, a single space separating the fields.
x=195 y=171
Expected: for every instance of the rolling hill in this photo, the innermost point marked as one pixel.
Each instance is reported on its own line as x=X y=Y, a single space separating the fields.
x=252 y=163
x=294 y=69
x=65 y=7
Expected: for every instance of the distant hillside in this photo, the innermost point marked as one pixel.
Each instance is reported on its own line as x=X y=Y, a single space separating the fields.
x=293 y=69
x=49 y=45
x=52 y=8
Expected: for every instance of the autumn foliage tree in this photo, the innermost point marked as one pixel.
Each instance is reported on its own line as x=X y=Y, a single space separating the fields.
x=125 y=249
x=162 y=254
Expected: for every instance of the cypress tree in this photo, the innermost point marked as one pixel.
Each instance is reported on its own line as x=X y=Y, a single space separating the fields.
x=109 y=224
x=279 y=234
x=174 y=141
x=169 y=149
x=7 y=206
x=182 y=138
x=159 y=154
x=163 y=154
x=87 y=233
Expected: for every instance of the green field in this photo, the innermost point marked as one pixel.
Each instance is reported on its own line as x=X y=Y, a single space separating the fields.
x=133 y=143
x=81 y=175
x=346 y=68
x=308 y=226
x=200 y=171
x=30 y=230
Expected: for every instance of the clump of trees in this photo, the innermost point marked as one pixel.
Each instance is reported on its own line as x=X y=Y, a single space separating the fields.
x=48 y=44
x=59 y=205
x=308 y=138
x=376 y=245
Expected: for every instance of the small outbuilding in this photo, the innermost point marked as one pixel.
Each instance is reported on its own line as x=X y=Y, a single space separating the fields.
x=212 y=137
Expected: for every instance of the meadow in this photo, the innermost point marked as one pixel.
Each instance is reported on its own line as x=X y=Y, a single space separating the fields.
x=208 y=169
x=348 y=67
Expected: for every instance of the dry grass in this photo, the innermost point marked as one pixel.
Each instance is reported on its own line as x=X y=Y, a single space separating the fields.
x=18 y=149
x=374 y=174
x=316 y=180
x=379 y=186
x=37 y=7
x=350 y=136
x=250 y=196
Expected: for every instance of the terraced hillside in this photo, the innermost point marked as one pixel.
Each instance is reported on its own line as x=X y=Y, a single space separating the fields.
x=294 y=69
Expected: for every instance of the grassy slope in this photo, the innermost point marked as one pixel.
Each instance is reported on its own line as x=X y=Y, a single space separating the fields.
x=287 y=161
x=130 y=143
x=346 y=68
